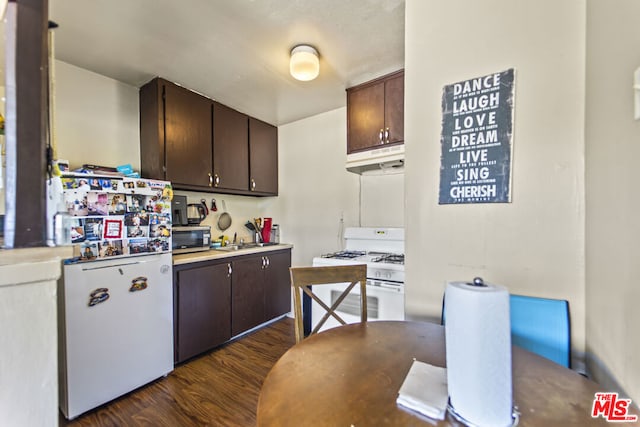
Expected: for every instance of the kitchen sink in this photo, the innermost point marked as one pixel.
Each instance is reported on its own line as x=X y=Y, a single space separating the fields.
x=241 y=246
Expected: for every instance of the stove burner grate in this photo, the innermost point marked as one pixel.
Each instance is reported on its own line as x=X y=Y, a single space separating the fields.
x=345 y=254
x=390 y=259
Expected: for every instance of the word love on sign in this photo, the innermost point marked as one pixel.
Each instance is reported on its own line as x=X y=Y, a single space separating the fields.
x=476 y=140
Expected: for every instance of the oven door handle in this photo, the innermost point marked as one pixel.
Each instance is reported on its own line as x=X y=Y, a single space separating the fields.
x=386 y=285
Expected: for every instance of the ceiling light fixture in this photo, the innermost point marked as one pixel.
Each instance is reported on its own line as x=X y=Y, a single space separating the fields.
x=304 y=64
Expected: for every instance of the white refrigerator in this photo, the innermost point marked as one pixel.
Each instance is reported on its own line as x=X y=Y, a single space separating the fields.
x=115 y=297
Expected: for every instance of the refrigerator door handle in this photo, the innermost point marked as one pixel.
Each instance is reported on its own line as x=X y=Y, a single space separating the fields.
x=90 y=267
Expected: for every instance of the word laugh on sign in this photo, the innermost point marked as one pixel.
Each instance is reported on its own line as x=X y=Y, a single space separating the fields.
x=476 y=140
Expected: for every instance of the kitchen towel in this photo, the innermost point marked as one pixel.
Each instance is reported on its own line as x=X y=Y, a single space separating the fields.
x=478 y=344
x=424 y=390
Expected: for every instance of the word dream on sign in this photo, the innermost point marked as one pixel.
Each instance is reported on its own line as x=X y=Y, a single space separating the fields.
x=476 y=140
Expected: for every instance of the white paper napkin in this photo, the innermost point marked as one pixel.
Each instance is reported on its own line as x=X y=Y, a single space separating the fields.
x=424 y=390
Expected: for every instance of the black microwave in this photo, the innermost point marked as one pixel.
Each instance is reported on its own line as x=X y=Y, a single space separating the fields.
x=191 y=239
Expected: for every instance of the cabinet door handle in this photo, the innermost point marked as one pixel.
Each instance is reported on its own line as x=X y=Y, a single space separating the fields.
x=253 y=184
x=210 y=180
x=264 y=262
x=380 y=136
x=267 y=261
x=216 y=180
x=386 y=136
x=229 y=269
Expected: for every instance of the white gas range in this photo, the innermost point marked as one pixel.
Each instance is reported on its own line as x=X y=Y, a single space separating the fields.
x=382 y=249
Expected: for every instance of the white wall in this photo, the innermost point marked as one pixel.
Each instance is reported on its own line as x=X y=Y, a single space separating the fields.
x=612 y=147
x=316 y=191
x=534 y=245
x=240 y=208
x=2 y=156
x=97 y=118
x=382 y=199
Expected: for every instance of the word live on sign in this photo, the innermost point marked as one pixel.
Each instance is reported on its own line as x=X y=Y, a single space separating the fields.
x=476 y=140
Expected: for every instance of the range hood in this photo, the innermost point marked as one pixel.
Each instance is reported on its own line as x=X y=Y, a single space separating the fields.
x=378 y=159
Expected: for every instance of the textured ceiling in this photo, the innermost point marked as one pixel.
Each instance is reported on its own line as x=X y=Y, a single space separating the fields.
x=235 y=51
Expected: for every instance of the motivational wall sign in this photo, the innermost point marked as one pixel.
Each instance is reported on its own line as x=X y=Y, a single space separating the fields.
x=476 y=140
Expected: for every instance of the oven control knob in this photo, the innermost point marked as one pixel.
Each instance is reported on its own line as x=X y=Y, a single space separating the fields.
x=378 y=274
x=388 y=275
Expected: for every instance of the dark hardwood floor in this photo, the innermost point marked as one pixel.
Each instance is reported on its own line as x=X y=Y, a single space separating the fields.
x=218 y=388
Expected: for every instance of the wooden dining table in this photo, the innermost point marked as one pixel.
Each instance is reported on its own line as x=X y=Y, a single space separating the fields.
x=350 y=376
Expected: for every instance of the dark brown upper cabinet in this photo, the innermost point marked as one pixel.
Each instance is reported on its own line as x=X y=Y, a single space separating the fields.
x=175 y=135
x=230 y=149
x=375 y=113
x=201 y=145
x=263 y=157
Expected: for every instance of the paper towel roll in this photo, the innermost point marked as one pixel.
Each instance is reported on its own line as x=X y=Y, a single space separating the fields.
x=478 y=343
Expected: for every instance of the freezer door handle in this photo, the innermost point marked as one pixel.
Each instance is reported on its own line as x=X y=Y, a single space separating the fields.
x=100 y=266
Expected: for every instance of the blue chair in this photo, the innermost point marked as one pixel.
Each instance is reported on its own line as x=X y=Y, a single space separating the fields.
x=542 y=326
x=539 y=325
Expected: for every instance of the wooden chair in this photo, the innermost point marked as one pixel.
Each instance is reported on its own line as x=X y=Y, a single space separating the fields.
x=302 y=278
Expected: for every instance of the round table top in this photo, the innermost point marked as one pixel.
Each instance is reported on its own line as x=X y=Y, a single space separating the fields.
x=350 y=376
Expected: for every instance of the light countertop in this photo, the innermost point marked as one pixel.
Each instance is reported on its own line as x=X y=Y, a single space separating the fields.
x=214 y=254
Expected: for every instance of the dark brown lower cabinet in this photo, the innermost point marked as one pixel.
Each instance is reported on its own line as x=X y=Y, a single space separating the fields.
x=217 y=300
x=203 y=303
x=247 y=294
x=277 y=285
x=261 y=290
